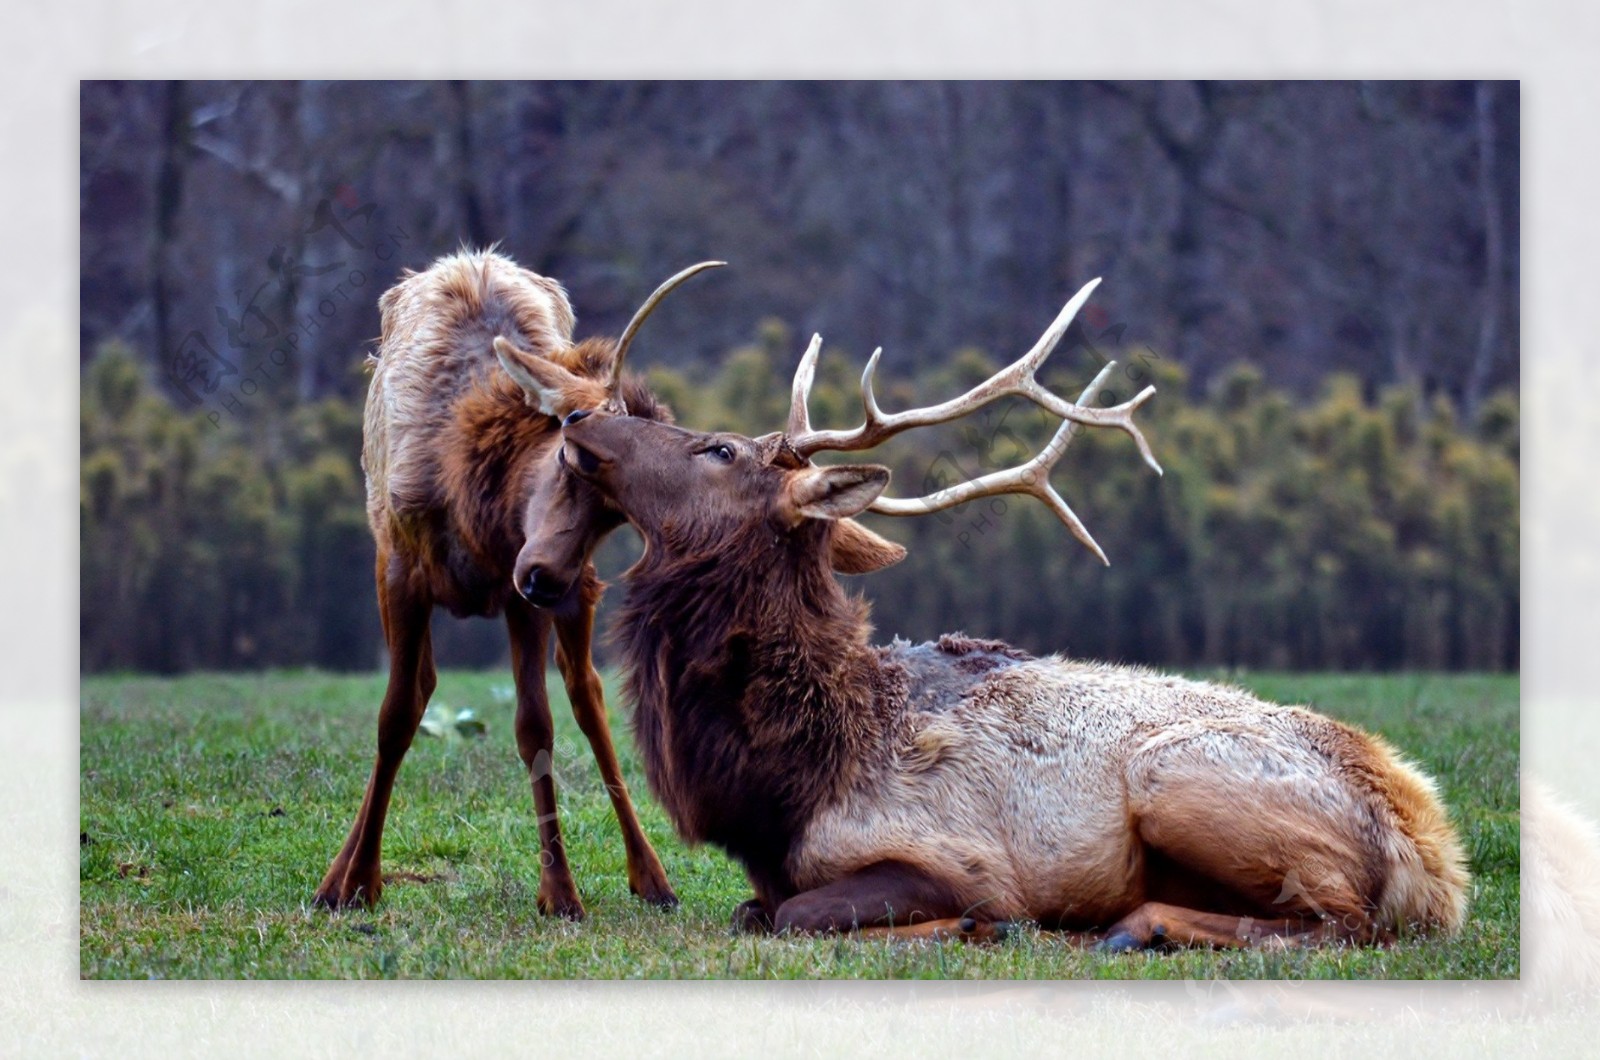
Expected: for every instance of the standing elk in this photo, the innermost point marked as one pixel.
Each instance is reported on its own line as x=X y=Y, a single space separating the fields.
x=955 y=786
x=460 y=470
x=460 y=473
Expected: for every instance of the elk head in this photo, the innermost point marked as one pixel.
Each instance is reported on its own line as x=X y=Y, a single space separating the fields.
x=566 y=516
x=686 y=491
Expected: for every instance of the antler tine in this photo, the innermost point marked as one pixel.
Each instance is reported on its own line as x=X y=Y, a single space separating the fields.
x=799 y=436
x=649 y=306
x=1032 y=478
x=869 y=399
x=1019 y=379
x=800 y=398
x=1016 y=379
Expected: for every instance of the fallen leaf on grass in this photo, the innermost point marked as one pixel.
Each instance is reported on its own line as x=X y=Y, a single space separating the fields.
x=441 y=721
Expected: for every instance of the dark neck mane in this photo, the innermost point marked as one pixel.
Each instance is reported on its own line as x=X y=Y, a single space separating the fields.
x=756 y=694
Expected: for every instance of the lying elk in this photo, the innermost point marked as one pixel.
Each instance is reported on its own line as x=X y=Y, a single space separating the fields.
x=959 y=785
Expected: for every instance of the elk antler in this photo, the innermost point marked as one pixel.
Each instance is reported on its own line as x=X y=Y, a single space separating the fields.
x=645 y=310
x=1031 y=478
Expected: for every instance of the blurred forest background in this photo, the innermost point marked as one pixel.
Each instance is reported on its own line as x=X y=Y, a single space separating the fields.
x=1320 y=278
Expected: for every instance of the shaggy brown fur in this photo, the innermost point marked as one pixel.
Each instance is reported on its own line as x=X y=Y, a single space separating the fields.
x=710 y=640
x=459 y=470
x=864 y=786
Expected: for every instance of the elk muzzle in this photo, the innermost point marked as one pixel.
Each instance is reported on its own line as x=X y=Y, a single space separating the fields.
x=548 y=567
x=541 y=588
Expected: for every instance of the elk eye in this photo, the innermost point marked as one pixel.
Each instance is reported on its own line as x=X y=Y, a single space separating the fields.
x=721 y=453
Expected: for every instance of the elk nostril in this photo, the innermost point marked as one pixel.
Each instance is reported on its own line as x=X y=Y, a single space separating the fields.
x=574 y=417
x=541 y=589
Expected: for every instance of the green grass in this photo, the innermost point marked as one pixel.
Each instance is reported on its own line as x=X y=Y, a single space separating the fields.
x=210 y=806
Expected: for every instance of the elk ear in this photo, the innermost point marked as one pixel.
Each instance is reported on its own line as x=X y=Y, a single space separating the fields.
x=831 y=492
x=546 y=385
x=857 y=550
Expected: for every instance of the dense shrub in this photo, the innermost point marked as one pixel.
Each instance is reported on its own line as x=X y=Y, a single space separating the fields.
x=1354 y=531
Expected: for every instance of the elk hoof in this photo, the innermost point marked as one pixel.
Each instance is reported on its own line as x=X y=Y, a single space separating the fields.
x=750 y=918
x=976 y=930
x=648 y=880
x=660 y=897
x=565 y=910
x=567 y=907
x=1121 y=942
x=335 y=902
x=348 y=890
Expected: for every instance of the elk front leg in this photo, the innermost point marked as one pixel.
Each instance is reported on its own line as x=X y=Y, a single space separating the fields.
x=887 y=894
x=355 y=877
x=530 y=639
x=950 y=929
x=646 y=877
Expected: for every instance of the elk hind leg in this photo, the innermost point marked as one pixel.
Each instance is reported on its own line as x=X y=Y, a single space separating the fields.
x=530 y=637
x=1268 y=847
x=1156 y=924
x=646 y=877
x=355 y=877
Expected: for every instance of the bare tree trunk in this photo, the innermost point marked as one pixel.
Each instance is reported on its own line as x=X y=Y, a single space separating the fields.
x=471 y=202
x=169 y=196
x=1189 y=153
x=1493 y=254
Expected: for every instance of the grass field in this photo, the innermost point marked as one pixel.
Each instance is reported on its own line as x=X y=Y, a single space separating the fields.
x=211 y=805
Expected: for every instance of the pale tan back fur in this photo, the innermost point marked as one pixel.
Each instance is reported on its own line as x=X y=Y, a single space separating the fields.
x=1043 y=787
x=438 y=328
